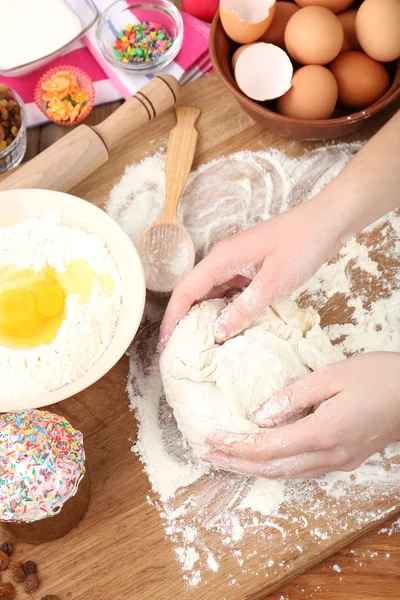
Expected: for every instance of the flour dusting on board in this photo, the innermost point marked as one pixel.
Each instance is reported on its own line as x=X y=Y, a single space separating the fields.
x=212 y=516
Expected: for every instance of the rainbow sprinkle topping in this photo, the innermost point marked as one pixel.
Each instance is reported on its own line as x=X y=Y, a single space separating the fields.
x=42 y=461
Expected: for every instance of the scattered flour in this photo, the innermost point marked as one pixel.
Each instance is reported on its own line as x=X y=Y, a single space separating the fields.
x=264 y=496
x=221 y=514
x=86 y=330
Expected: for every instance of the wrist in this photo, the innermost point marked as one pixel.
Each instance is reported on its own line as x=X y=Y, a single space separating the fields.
x=335 y=219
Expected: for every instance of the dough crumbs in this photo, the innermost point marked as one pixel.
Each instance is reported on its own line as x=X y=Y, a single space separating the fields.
x=337 y=569
x=240 y=190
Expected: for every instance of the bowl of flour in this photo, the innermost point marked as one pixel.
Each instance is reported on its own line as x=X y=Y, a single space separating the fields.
x=52 y=241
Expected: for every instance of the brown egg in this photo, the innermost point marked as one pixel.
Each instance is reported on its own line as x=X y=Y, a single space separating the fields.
x=237 y=53
x=378 y=29
x=348 y=21
x=276 y=31
x=314 y=36
x=246 y=22
x=313 y=94
x=361 y=80
x=333 y=5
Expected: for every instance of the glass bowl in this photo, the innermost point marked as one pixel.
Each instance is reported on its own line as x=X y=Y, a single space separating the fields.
x=13 y=155
x=84 y=82
x=87 y=13
x=122 y=12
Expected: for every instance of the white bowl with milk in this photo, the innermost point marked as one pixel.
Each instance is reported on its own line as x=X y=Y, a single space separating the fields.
x=45 y=27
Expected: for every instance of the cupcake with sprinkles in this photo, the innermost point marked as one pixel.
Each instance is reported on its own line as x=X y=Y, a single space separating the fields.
x=44 y=486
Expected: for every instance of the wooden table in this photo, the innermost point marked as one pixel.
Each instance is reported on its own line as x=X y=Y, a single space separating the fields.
x=368 y=573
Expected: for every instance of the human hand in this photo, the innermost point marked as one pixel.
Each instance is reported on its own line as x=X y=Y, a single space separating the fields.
x=270 y=260
x=358 y=414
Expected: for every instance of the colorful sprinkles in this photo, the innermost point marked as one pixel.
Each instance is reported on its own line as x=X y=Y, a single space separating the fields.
x=42 y=461
x=142 y=43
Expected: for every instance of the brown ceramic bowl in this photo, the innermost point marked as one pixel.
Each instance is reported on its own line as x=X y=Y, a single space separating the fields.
x=222 y=49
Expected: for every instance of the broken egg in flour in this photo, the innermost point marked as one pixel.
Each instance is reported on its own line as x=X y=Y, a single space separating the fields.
x=246 y=22
x=33 y=303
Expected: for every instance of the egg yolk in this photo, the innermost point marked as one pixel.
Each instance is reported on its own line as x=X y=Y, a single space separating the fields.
x=33 y=303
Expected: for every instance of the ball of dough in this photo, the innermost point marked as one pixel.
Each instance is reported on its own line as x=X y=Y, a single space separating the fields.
x=213 y=387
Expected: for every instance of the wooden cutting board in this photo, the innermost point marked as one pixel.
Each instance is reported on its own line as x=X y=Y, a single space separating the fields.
x=119 y=551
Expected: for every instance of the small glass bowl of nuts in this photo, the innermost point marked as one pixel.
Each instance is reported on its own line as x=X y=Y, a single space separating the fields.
x=12 y=128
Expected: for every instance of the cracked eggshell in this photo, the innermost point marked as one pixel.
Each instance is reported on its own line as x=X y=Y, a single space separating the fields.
x=246 y=21
x=263 y=72
x=237 y=53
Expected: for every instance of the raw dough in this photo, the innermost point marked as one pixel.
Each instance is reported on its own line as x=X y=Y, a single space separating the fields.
x=212 y=387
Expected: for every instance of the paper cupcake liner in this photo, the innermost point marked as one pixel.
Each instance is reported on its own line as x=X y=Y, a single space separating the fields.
x=53 y=528
x=84 y=81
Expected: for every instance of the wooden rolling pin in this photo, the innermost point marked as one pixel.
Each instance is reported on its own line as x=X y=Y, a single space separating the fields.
x=82 y=151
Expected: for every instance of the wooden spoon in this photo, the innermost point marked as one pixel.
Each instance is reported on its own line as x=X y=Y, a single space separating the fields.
x=166 y=248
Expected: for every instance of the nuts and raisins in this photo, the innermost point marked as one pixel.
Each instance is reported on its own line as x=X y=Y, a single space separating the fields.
x=4 y=561
x=7 y=548
x=10 y=117
x=6 y=589
x=25 y=573
x=18 y=573
x=29 y=567
x=31 y=583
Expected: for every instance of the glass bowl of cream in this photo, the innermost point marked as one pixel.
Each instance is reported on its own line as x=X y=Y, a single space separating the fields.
x=45 y=27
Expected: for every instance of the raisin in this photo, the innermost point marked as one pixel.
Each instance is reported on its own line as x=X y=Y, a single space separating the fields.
x=31 y=583
x=18 y=574
x=4 y=560
x=29 y=567
x=14 y=565
x=14 y=131
x=7 y=547
x=6 y=589
x=3 y=145
x=4 y=114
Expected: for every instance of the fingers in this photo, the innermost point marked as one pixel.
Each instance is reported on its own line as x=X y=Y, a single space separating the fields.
x=281 y=442
x=310 y=464
x=244 y=309
x=305 y=393
x=226 y=290
x=211 y=272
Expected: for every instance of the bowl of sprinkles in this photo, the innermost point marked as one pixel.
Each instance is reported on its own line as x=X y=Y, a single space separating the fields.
x=140 y=37
x=65 y=95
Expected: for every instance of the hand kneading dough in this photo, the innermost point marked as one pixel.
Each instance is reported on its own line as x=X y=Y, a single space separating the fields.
x=213 y=387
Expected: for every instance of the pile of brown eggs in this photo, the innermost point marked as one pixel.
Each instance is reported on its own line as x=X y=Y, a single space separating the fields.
x=313 y=55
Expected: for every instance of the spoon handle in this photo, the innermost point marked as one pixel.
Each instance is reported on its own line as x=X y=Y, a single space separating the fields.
x=180 y=153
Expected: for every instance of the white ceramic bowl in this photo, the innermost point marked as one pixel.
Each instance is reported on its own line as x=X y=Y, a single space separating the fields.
x=19 y=205
x=87 y=13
